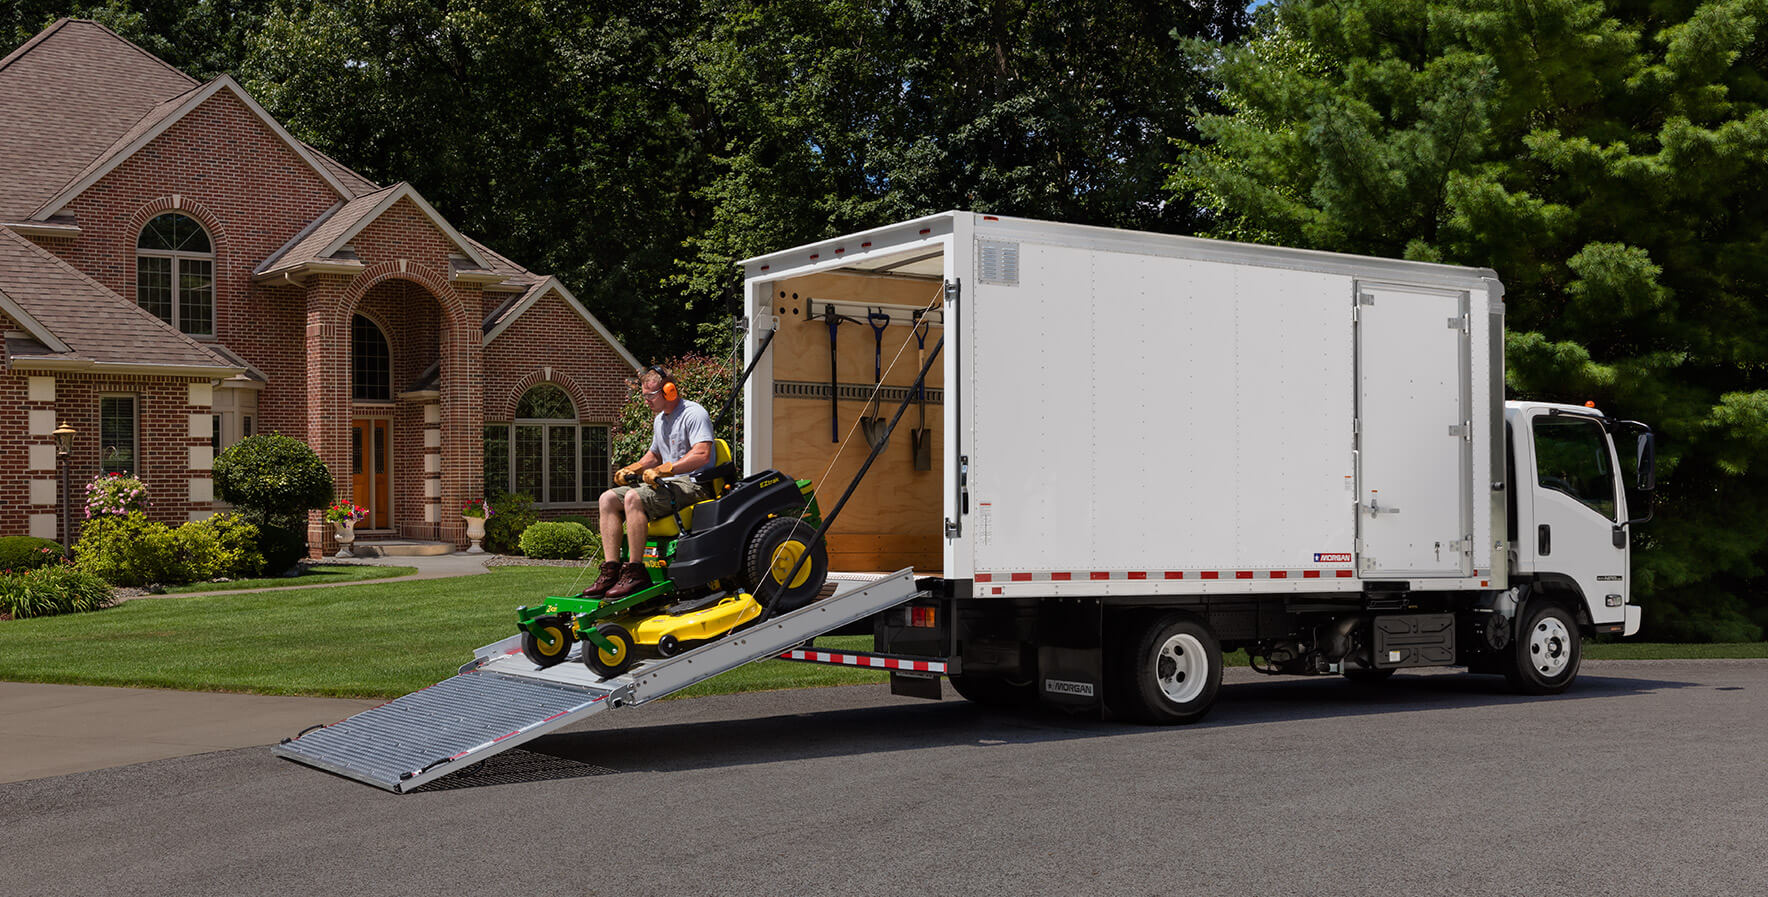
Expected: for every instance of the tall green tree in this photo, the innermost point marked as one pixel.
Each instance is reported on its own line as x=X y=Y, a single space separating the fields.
x=828 y=116
x=1609 y=158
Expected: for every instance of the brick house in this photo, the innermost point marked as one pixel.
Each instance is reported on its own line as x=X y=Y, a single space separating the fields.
x=177 y=272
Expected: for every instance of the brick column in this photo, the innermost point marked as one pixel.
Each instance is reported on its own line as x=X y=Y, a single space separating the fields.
x=328 y=395
x=462 y=415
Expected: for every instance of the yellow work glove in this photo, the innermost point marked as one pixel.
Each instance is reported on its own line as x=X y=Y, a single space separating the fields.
x=626 y=476
x=653 y=474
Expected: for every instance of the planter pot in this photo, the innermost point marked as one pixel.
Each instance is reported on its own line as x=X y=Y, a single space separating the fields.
x=346 y=536
x=475 y=533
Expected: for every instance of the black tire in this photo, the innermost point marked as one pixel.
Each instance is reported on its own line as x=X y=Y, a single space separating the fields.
x=995 y=691
x=1174 y=672
x=1544 y=657
x=668 y=646
x=1365 y=676
x=544 y=655
x=775 y=547
x=608 y=665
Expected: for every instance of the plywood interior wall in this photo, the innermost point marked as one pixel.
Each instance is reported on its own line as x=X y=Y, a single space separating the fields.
x=896 y=517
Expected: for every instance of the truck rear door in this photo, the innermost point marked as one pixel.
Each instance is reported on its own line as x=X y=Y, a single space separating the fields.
x=1414 y=455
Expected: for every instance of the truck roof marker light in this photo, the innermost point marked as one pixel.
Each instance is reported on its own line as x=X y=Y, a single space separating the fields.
x=991 y=217
x=814 y=256
x=866 y=245
x=926 y=230
x=765 y=267
x=839 y=250
x=1589 y=404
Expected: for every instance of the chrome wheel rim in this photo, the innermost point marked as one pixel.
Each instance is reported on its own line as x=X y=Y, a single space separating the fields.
x=1550 y=647
x=1181 y=668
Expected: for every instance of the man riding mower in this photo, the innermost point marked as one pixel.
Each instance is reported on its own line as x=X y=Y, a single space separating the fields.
x=699 y=556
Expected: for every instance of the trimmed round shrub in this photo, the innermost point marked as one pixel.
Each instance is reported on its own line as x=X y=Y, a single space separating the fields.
x=29 y=553
x=52 y=590
x=283 y=545
x=512 y=512
x=224 y=546
x=273 y=474
x=556 y=541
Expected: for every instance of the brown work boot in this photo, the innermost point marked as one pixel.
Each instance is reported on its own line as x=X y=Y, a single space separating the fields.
x=610 y=573
x=632 y=579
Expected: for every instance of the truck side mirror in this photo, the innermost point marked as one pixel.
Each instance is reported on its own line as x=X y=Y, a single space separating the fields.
x=1647 y=458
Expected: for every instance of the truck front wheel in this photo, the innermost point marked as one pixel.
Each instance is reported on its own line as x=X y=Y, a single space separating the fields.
x=1174 y=673
x=1544 y=657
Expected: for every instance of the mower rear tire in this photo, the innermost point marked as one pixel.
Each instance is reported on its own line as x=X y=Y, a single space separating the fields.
x=541 y=653
x=773 y=552
x=608 y=664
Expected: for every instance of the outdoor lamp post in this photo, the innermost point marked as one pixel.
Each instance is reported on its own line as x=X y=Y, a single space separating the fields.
x=64 y=446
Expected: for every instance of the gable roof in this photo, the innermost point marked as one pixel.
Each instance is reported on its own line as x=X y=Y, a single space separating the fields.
x=66 y=95
x=163 y=116
x=76 y=322
x=504 y=317
x=323 y=239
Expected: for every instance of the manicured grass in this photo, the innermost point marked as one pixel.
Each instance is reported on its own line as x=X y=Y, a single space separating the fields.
x=318 y=574
x=378 y=640
x=1661 y=651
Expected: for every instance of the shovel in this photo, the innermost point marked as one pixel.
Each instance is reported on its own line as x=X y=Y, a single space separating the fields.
x=876 y=428
x=921 y=438
x=834 y=383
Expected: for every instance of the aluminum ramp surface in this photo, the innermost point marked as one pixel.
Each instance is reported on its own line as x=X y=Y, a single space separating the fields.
x=501 y=699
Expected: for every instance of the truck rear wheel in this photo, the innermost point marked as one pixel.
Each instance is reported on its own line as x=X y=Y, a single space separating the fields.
x=1174 y=673
x=1544 y=658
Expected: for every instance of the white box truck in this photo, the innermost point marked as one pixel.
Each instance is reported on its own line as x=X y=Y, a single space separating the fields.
x=1151 y=449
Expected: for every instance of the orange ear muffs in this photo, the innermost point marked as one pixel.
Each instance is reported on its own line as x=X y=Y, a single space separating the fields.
x=669 y=391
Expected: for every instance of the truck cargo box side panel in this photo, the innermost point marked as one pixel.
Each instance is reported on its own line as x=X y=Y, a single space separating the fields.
x=1131 y=413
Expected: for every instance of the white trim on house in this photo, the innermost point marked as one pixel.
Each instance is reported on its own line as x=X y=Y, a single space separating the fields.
x=404 y=190
x=196 y=98
x=37 y=331
x=81 y=365
x=533 y=298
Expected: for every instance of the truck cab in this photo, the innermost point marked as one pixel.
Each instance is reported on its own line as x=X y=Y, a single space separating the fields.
x=1572 y=506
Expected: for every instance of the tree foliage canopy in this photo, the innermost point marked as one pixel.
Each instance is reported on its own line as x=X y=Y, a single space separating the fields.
x=1606 y=157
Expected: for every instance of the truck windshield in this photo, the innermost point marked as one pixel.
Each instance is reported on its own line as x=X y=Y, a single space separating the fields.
x=1571 y=456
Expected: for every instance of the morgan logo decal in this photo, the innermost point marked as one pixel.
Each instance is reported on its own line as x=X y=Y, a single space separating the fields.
x=1332 y=557
x=1062 y=687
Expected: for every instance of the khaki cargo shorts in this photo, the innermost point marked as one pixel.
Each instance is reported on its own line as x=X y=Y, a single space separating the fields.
x=657 y=505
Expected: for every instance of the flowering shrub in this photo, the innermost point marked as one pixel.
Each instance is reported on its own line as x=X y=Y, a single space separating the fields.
x=481 y=508
x=114 y=495
x=132 y=550
x=345 y=511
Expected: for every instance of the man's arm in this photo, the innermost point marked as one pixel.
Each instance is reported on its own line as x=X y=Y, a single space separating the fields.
x=697 y=457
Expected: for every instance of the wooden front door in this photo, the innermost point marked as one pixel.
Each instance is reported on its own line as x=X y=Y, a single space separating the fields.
x=370 y=471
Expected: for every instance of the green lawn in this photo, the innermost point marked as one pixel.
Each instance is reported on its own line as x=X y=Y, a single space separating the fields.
x=378 y=640
x=318 y=574
x=382 y=640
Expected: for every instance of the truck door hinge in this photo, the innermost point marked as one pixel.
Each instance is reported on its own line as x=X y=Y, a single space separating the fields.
x=1464 y=430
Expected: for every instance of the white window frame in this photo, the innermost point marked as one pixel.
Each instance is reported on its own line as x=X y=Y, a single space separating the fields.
x=178 y=258
x=586 y=492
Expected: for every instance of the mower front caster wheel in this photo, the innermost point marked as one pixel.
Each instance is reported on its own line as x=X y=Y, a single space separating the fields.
x=551 y=646
x=605 y=662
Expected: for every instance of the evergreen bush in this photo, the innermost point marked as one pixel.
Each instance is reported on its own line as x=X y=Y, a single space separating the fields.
x=512 y=512
x=29 y=553
x=558 y=540
x=272 y=474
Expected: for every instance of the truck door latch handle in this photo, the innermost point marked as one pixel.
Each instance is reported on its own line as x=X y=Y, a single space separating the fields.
x=1376 y=510
x=1544 y=544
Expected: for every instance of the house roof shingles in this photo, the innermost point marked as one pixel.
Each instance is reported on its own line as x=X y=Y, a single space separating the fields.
x=96 y=324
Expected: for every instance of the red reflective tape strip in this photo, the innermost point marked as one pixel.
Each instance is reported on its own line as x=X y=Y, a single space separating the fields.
x=1279 y=574
x=1344 y=574
x=1138 y=574
x=555 y=716
x=1022 y=577
x=1061 y=577
x=1175 y=574
x=1310 y=574
x=502 y=737
x=1242 y=574
x=1098 y=574
x=985 y=577
x=1210 y=574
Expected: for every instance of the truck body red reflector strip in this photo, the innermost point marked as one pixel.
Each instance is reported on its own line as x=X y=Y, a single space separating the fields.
x=1279 y=574
x=1061 y=577
x=1344 y=574
x=1099 y=574
x=1138 y=574
x=1022 y=577
x=1175 y=574
x=1310 y=574
x=1210 y=574
x=985 y=577
x=1242 y=574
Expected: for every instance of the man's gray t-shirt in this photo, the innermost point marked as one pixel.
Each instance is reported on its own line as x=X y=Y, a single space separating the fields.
x=675 y=433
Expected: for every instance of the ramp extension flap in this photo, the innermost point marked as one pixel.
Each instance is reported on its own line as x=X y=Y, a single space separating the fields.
x=502 y=699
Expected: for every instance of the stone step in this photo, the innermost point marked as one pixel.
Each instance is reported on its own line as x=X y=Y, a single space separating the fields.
x=401 y=548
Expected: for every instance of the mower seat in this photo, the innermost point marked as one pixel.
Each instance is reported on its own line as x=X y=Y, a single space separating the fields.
x=718 y=477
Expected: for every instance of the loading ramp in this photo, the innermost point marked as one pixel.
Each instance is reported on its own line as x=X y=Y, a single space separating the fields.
x=501 y=699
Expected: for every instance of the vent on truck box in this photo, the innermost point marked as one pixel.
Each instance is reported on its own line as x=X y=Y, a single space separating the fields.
x=1000 y=263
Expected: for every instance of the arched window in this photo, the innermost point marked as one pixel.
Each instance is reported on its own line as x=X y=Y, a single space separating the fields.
x=175 y=273
x=545 y=452
x=371 y=362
